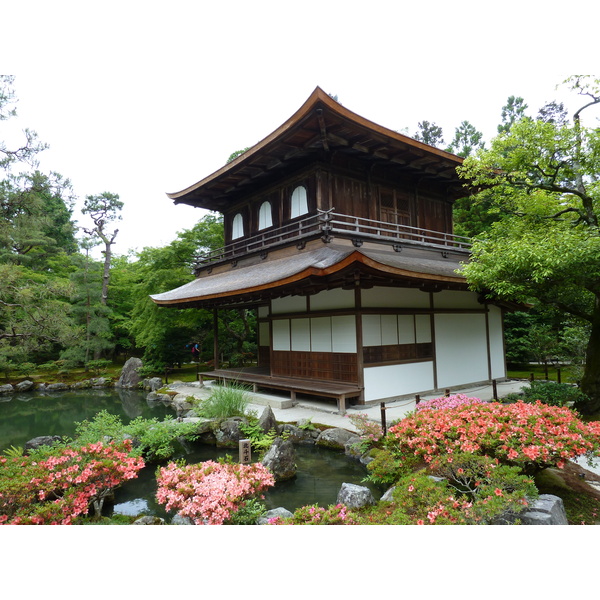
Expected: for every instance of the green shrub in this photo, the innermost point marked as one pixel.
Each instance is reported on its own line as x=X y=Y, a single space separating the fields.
x=552 y=393
x=154 y=439
x=388 y=466
x=229 y=400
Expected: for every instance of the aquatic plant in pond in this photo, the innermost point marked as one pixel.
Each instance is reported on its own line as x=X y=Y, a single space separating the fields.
x=227 y=400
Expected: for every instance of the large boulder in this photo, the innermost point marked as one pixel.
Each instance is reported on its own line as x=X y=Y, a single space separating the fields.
x=335 y=437
x=130 y=377
x=355 y=496
x=152 y=383
x=24 y=386
x=42 y=440
x=280 y=512
x=7 y=388
x=280 y=459
x=268 y=421
x=149 y=520
x=182 y=405
x=546 y=510
x=297 y=435
x=228 y=433
x=57 y=387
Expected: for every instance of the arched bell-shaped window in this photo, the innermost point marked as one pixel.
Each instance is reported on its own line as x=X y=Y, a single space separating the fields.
x=298 y=202
x=265 y=216
x=237 y=227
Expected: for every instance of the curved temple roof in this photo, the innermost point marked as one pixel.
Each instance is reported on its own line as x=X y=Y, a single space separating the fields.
x=326 y=266
x=320 y=125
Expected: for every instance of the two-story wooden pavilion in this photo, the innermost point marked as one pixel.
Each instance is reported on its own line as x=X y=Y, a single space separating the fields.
x=339 y=233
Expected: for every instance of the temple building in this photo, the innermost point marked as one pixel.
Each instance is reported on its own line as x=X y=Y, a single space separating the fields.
x=338 y=232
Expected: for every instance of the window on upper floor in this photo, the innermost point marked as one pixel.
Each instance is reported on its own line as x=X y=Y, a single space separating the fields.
x=237 y=227
x=298 y=202
x=265 y=216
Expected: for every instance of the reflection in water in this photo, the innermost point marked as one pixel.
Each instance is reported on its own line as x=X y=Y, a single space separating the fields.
x=28 y=415
x=319 y=478
x=320 y=474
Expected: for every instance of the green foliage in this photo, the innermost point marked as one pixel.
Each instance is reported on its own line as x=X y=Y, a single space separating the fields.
x=551 y=393
x=389 y=465
x=237 y=153
x=13 y=451
x=540 y=180
x=227 y=400
x=466 y=140
x=248 y=513
x=154 y=439
x=429 y=133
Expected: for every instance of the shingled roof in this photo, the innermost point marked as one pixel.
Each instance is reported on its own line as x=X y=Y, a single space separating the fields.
x=319 y=126
x=325 y=267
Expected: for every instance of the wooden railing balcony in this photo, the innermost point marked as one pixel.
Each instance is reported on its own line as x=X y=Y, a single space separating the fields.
x=328 y=225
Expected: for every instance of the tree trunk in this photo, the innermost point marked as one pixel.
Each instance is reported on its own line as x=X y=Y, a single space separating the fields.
x=590 y=383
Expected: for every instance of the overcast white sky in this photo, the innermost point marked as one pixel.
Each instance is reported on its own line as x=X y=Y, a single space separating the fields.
x=143 y=98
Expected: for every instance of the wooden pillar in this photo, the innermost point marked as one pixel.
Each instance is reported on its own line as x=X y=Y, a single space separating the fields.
x=216 y=338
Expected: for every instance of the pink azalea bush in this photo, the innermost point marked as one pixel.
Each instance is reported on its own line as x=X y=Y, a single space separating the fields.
x=453 y=401
x=369 y=432
x=532 y=436
x=62 y=485
x=210 y=492
x=338 y=514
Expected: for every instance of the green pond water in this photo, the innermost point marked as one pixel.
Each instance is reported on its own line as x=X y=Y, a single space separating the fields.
x=320 y=475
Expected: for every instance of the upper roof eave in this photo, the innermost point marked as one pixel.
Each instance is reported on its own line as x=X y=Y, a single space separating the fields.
x=318 y=97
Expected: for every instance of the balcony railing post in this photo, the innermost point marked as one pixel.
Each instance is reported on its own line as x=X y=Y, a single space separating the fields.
x=328 y=224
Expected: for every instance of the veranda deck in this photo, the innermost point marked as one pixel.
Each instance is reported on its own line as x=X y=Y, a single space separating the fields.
x=260 y=378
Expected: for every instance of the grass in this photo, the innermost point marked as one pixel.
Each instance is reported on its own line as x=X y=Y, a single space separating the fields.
x=229 y=400
x=566 y=373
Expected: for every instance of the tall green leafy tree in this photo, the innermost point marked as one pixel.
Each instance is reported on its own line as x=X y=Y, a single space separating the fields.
x=103 y=209
x=36 y=233
x=541 y=179
x=512 y=111
x=166 y=334
x=429 y=133
x=466 y=140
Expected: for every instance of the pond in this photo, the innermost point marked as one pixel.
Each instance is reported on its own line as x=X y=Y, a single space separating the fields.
x=320 y=475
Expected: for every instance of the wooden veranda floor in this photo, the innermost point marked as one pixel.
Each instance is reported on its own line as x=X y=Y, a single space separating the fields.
x=260 y=378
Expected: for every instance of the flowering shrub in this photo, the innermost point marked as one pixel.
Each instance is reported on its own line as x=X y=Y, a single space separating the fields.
x=448 y=402
x=532 y=436
x=370 y=433
x=317 y=515
x=210 y=492
x=58 y=485
x=389 y=464
x=491 y=491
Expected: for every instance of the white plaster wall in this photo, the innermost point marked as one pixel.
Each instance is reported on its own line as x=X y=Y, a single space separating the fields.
x=423 y=329
x=406 y=329
x=371 y=330
x=320 y=334
x=289 y=304
x=397 y=380
x=460 y=349
x=330 y=299
x=388 y=297
x=496 y=343
x=281 y=334
x=343 y=333
x=301 y=335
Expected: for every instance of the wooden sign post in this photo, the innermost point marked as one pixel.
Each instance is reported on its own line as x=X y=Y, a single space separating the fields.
x=245 y=452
